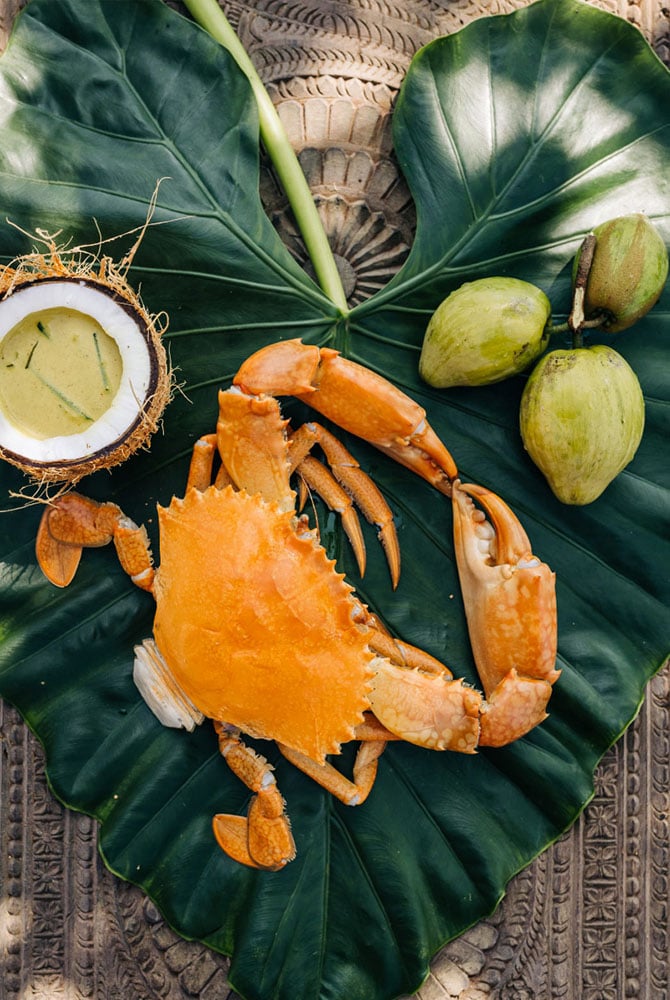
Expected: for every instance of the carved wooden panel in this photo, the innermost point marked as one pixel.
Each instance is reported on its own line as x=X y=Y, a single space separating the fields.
x=589 y=919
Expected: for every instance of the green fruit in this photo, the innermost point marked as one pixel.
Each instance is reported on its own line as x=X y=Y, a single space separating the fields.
x=628 y=272
x=483 y=332
x=582 y=418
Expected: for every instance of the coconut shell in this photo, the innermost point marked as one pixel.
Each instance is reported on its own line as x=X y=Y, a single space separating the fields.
x=105 y=277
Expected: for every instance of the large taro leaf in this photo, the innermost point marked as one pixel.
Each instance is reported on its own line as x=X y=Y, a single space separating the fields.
x=517 y=135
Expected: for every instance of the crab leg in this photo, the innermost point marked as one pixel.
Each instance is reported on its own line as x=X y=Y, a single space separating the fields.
x=259 y=457
x=352 y=793
x=405 y=655
x=318 y=478
x=416 y=697
x=510 y=605
x=73 y=523
x=356 y=484
x=354 y=398
x=202 y=463
x=263 y=838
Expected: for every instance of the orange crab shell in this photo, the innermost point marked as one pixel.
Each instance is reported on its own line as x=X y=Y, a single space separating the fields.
x=255 y=623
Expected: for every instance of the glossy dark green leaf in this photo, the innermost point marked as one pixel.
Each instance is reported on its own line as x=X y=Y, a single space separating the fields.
x=517 y=135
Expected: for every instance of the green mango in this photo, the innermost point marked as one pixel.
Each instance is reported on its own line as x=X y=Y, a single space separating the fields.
x=628 y=271
x=581 y=420
x=484 y=332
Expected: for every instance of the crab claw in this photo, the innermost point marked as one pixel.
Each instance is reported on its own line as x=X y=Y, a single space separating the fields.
x=510 y=605
x=356 y=399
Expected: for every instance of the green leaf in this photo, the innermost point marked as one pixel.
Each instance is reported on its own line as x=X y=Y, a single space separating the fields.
x=517 y=135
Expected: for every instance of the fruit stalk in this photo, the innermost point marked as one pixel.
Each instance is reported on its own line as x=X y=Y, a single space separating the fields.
x=576 y=319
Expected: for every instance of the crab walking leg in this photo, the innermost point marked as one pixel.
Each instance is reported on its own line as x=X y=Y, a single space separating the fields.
x=351 y=792
x=259 y=457
x=416 y=697
x=371 y=729
x=510 y=604
x=263 y=838
x=405 y=655
x=356 y=399
x=318 y=478
x=59 y=561
x=73 y=523
x=356 y=483
x=202 y=465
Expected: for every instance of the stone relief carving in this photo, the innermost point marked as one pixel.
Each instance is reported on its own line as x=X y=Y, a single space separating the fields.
x=589 y=918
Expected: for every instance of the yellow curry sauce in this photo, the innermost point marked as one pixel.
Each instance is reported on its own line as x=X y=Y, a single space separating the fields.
x=59 y=372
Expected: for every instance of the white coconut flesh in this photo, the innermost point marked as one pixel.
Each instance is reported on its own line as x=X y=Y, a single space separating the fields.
x=76 y=368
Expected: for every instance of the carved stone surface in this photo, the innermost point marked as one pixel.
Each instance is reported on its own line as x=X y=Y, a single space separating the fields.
x=589 y=919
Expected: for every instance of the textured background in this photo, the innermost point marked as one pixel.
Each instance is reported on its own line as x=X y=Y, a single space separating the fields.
x=589 y=919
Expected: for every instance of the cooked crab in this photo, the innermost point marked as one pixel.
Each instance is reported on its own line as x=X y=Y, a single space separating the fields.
x=255 y=628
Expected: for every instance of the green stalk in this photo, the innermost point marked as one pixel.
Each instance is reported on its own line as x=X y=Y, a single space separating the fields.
x=210 y=16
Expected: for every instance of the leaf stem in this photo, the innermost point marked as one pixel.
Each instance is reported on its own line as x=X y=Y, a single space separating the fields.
x=211 y=17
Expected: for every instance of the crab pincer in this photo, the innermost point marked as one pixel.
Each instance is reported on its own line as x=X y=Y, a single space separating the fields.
x=510 y=605
x=356 y=399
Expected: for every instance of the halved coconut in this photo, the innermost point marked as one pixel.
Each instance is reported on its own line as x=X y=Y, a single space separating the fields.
x=84 y=376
